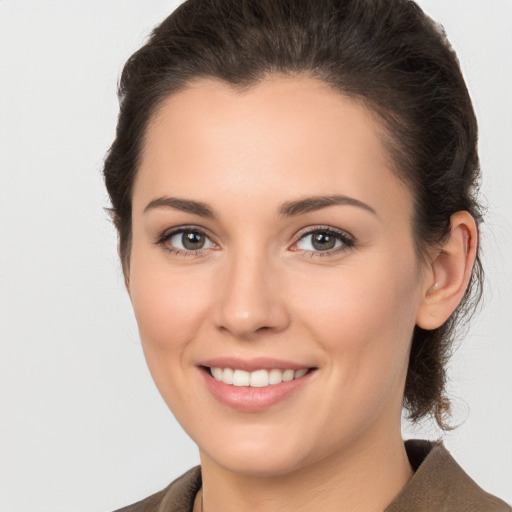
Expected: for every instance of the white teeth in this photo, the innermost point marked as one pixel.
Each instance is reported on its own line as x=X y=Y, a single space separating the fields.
x=275 y=377
x=259 y=379
x=227 y=375
x=288 y=375
x=217 y=373
x=300 y=373
x=241 y=378
x=256 y=379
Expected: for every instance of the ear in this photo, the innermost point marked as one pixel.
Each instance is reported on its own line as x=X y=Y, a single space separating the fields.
x=448 y=272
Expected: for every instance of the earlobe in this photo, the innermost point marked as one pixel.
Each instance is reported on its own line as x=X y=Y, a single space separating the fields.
x=449 y=272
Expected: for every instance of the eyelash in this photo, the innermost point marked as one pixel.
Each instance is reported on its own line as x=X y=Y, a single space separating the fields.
x=347 y=241
x=345 y=238
x=167 y=235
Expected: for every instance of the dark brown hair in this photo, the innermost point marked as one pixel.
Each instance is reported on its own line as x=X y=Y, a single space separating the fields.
x=386 y=54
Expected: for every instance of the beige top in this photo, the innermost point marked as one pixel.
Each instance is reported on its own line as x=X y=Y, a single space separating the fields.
x=439 y=484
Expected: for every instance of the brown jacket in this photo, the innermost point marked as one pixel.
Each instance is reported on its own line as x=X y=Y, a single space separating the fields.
x=438 y=485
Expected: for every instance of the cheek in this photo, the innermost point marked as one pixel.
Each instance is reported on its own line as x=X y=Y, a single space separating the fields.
x=364 y=319
x=351 y=302
x=169 y=304
x=169 y=308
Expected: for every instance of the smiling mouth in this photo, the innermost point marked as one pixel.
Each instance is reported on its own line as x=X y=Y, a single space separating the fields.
x=255 y=379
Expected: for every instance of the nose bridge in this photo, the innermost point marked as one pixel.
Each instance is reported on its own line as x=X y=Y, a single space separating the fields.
x=250 y=299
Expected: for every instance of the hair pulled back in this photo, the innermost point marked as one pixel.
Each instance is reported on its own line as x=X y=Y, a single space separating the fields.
x=386 y=54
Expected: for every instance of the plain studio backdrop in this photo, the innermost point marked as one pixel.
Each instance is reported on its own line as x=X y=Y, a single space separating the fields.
x=82 y=427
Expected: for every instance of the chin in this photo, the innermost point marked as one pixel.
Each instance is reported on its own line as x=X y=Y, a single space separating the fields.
x=259 y=455
x=262 y=464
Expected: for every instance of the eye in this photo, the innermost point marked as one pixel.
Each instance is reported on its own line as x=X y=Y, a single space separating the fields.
x=190 y=240
x=186 y=241
x=326 y=240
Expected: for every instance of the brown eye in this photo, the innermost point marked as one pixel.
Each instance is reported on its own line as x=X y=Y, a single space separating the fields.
x=324 y=241
x=188 y=240
x=192 y=240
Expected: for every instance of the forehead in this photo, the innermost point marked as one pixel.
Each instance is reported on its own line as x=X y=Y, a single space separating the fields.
x=285 y=136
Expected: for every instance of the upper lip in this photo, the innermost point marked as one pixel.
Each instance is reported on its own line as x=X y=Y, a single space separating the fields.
x=253 y=364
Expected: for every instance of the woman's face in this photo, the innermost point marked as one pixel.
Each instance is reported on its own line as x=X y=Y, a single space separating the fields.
x=272 y=241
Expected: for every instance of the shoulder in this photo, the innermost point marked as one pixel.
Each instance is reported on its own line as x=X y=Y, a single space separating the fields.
x=440 y=484
x=177 y=497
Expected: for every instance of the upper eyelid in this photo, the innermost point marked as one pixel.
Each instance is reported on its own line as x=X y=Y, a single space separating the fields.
x=168 y=233
x=329 y=229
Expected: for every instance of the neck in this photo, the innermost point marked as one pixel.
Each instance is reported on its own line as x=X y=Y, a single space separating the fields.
x=363 y=478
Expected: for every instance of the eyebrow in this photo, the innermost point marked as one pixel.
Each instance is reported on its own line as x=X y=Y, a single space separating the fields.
x=313 y=203
x=289 y=209
x=185 y=205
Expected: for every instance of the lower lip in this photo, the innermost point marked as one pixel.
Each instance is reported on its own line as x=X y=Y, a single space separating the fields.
x=248 y=399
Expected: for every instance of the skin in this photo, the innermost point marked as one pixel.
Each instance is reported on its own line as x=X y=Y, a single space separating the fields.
x=259 y=288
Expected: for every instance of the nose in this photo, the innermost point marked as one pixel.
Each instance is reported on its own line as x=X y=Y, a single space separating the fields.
x=251 y=298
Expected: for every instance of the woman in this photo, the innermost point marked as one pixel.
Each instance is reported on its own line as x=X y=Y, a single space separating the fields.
x=293 y=185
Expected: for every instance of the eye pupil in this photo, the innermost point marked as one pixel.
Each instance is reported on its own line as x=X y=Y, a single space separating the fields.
x=323 y=241
x=192 y=240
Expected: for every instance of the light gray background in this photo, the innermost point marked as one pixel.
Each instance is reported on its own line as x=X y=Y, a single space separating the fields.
x=82 y=427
